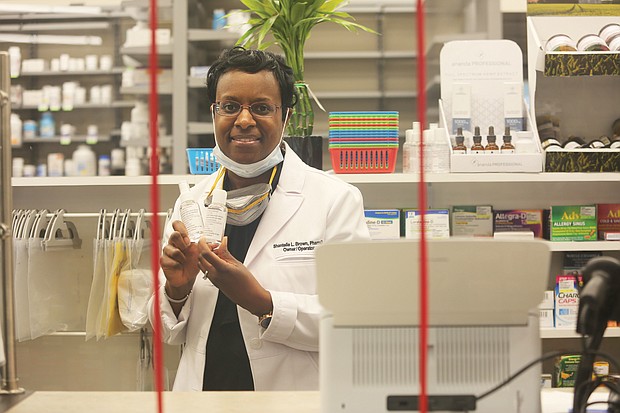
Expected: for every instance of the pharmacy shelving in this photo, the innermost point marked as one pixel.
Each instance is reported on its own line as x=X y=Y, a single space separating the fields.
x=549 y=332
x=90 y=194
x=104 y=23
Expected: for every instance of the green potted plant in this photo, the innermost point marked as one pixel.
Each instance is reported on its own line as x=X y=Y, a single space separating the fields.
x=288 y=24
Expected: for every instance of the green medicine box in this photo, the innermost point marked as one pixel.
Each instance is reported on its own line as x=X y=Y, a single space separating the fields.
x=573 y=223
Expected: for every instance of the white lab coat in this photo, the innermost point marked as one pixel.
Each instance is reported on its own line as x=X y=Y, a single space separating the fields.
x=307 y=208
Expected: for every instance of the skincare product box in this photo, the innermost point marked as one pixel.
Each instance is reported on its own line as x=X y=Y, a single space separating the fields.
x=608 y=221
x=573 y=223
x=472 y=221
x=519 y=220
x=461 y=107
x=383 y=224
x=483 y=79
x=437 y=223
x=513 y=106
x=546 y=310
x=566 y=301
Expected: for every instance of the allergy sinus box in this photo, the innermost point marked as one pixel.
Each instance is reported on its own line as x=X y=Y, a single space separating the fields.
x=573 y=223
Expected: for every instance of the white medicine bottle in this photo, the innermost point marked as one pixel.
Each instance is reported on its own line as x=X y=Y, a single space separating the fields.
x=215 y=217
x=190 y=213
x=84 y=161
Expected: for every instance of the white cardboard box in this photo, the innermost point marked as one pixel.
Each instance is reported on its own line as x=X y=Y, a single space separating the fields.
x=487 y=66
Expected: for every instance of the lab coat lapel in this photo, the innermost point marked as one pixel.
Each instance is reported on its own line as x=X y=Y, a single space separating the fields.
x=284 y=203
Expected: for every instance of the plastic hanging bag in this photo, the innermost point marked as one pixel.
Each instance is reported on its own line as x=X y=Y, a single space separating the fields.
x=135 y=286
x=114 y=324
x=53 y=289
x=20 y=276
x=97 y=287
x=101 y=317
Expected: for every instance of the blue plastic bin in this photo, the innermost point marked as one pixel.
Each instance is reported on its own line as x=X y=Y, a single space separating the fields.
x=201 y=161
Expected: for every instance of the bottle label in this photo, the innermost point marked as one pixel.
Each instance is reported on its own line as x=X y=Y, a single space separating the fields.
x=215 y=224
x=190 y=215
x=507 y=151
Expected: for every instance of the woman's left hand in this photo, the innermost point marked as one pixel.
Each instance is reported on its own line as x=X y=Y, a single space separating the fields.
x=233 y=278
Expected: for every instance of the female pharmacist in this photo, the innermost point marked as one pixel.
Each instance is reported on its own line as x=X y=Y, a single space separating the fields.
x=247 y=310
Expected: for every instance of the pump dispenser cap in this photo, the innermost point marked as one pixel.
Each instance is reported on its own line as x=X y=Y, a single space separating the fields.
x=184 y=186
x=219 y=196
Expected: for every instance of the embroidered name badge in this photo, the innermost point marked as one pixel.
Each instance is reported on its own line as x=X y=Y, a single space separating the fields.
x=295 y=248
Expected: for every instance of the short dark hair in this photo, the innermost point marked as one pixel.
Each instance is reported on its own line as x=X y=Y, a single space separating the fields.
x=253 y=61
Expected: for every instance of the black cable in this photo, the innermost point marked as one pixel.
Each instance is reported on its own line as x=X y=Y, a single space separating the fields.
x=544 y=357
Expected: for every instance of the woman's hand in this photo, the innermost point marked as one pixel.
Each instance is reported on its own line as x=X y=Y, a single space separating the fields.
x=233 y=278
x=179 y=262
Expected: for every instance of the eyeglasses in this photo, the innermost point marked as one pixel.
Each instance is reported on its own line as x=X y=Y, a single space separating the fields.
x=258 y=109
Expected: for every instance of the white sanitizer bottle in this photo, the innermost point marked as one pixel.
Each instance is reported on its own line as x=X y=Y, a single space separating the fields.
x=215 y=217
x=190 y=213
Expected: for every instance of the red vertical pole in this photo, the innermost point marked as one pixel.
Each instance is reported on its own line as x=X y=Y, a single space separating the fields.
x=154 y=170
x=422 y=204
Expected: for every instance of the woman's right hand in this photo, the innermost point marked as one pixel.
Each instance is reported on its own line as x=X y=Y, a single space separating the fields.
x=179 y=262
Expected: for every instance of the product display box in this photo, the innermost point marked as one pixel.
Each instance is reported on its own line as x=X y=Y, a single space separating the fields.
x=574 y=261
x=565 y=371
x=583 y=160
x=573 y=223
x=482 y=86
x=608 y=218
x=472 y=221
x=568 y=85
x=437 y=223
x=518 y=220
x=383 y=224
x=566 y=301
x=545 y=308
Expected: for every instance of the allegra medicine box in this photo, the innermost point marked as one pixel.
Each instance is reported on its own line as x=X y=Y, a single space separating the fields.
x=608 y=216
x=573 y=223
x=517 y=220
x=383 y=223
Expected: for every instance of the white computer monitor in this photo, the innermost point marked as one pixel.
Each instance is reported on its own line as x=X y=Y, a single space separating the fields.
x=483 y=297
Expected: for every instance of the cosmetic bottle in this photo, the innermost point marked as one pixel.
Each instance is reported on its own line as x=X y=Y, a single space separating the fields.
x=507 y=146
x=575 y=142
x=477 y=138
x=491 y=142
x=459 y=147
x=190 y=213
x=411 y=149
x=215 y=217
x=441 y=151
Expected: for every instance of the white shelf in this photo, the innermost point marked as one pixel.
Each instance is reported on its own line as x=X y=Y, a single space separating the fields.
x=145 y=90
x=400 y=178
x=113 y=105
x=113 y=71
x=58 y=139
x=196 y=82
x=570 y=333
x=162 y=141
x=199 y=128
x=162 y=50
x=550 y=177
x=103 y=181
x=207 y=35
x=361 y=55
